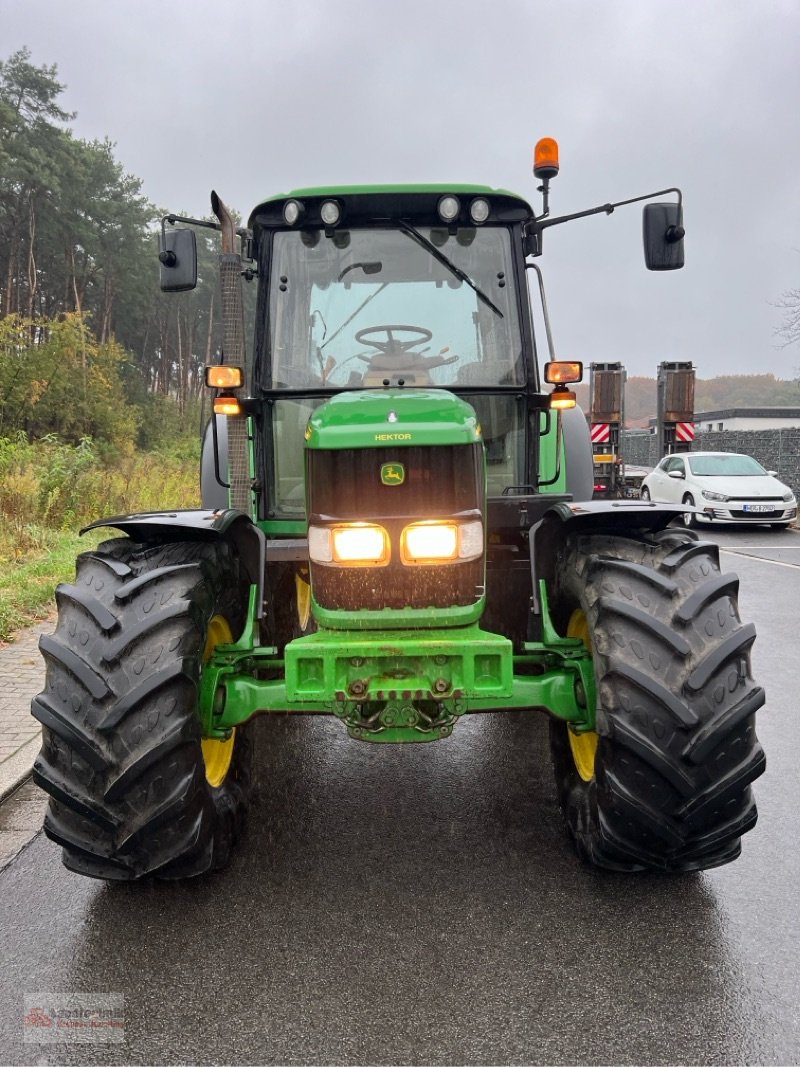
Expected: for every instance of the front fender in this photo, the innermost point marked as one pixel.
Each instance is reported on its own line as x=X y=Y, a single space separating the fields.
x=613 y=514
x=157 y=527
x=590 y=516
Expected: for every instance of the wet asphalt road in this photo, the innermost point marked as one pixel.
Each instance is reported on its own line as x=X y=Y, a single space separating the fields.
x=419 y=904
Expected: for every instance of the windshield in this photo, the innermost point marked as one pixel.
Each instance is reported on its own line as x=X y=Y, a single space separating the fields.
x=370 y=305
x=726 y=466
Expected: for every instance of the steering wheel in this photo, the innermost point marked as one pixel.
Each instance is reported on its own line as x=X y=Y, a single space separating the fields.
x=391 y=345
x=395 y=357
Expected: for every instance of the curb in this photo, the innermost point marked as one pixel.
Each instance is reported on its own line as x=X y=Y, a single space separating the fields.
x=22 y=671
x=17 y=768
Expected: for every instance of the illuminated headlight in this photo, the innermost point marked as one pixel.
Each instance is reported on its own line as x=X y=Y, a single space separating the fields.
x=715 y=496
x=449 y=208
x=441 y=542
x=292 y=212
x=356 y=544
x=330 y=212
x=479 y=210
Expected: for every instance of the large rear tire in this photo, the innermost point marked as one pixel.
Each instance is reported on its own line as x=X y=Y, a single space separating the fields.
x=134 y=790
x=664 y=784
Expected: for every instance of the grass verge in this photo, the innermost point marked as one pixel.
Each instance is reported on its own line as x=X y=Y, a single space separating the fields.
x=49 y=490
x=27 y=583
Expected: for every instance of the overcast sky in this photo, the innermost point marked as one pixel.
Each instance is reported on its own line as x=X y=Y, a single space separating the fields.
x=255 y=97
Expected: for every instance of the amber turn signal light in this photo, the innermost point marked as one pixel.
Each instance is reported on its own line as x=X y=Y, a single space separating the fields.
x=562 y=398
x=224 y=376
x=225 y=404
x=558 y=373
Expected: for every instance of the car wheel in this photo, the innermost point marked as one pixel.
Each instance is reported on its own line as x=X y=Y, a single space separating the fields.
x=644 y=493
x=688 y=518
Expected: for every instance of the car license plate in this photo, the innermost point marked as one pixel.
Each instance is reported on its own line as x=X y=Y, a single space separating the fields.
x=758 y=507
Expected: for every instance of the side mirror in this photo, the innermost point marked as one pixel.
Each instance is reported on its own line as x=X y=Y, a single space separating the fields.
x=677 y=475
x=663 y=236
x=178 y=258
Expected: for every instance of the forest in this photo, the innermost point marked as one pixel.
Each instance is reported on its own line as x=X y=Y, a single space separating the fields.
x=100 y=375
x=89 y=347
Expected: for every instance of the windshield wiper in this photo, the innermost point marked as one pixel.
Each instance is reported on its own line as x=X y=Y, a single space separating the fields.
x=437 y=254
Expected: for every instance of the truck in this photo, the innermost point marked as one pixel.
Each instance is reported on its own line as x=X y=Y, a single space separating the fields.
x=396 y=529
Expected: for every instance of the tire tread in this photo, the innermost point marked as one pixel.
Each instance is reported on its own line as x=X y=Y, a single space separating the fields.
x=677 y=751
x=121 y=755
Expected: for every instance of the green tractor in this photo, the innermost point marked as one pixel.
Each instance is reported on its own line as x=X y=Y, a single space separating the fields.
x=397 y=530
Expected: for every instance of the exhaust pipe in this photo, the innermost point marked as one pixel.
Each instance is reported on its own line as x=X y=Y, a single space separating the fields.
x=226 y=222
x=233 y=351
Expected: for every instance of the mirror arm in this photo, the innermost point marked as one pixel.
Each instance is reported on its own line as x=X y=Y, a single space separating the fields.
x=537 y=226
x=607 y=208
x=242 y=232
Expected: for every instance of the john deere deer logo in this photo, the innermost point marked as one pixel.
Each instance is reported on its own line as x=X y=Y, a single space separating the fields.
x=393 y=474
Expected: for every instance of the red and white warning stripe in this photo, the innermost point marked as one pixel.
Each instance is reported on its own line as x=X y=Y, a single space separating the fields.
x=684 y=431
x=600 y=433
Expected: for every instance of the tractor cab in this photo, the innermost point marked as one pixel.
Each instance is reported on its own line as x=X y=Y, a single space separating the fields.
x=393 y=289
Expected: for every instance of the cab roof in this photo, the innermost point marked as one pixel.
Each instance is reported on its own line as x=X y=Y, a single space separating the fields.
x=382 y=203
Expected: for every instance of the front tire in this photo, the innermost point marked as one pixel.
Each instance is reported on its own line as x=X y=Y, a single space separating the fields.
x=664 y=784
x=134 y=791
x=688 y=518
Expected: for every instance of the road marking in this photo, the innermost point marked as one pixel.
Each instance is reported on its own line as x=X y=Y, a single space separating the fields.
x=761 y=559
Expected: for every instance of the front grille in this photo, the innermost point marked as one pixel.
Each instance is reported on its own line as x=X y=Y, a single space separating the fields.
x=772 y=514
x=345 y=484
x=438 y=482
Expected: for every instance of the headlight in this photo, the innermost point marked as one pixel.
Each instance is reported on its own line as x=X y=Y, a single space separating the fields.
x=356 y=544
x=714 y=496
x=441 y=542
x=788 y=497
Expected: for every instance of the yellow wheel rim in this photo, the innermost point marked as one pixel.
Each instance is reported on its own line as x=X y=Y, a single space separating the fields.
x=583 y=746
x=303 y=601
x=217 y=755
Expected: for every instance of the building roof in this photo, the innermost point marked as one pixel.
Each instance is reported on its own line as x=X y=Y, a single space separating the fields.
x=749 y=413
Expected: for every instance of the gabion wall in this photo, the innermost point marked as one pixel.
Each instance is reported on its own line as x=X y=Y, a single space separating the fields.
x=777 y=450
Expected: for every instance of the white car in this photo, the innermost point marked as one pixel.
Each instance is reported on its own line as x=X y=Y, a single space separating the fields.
x=728 y=487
